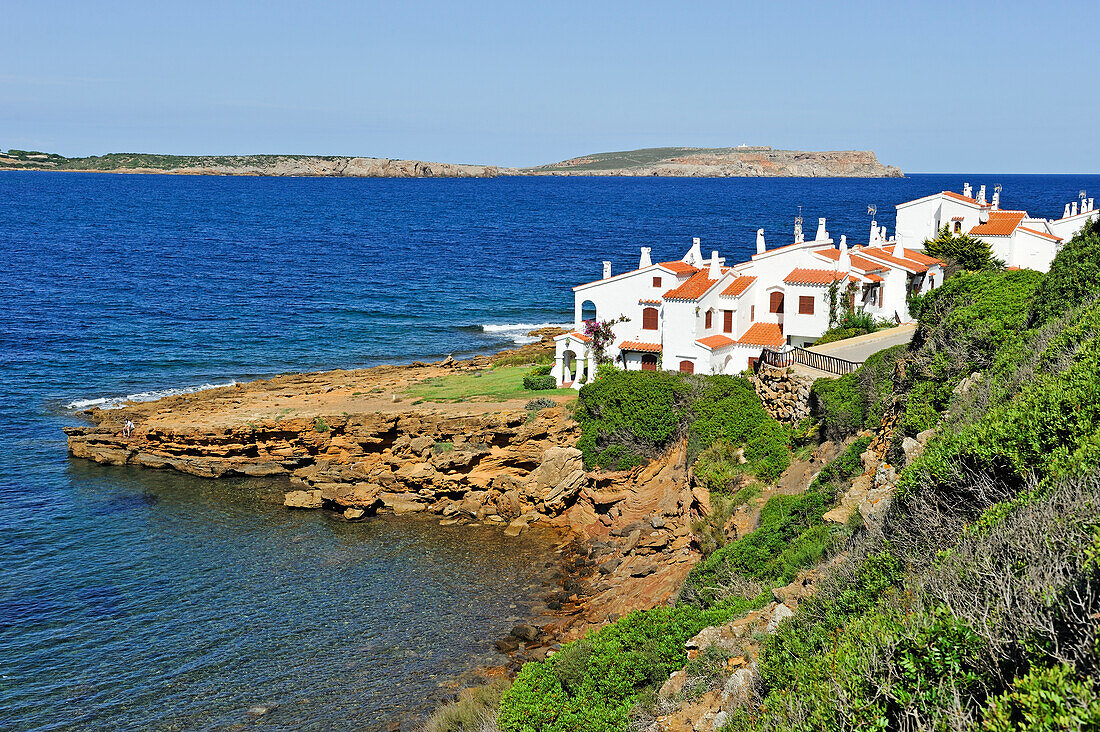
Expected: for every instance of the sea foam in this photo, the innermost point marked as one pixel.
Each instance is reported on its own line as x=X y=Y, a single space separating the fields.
x=144 y=396
x=517 y=332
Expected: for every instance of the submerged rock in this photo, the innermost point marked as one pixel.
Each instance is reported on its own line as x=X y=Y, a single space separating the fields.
x=302 y=499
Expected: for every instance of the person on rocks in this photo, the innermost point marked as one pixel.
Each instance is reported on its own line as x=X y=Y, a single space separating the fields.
x=127 y=429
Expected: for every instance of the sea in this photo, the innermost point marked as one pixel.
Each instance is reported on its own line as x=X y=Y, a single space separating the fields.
x=141 y=599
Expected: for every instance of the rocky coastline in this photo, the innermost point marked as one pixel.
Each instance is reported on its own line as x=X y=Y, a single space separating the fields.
x=625 y=539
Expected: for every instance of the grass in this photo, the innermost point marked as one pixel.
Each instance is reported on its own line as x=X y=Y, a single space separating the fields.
x=493 y=385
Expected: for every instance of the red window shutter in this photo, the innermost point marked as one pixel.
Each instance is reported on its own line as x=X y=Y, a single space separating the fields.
x=805 y=305
x=752 y=313
x=727 y=325
x=777 y=302
x=687 y=367
x=709 y=313
x=649 y=319
x=656 y=281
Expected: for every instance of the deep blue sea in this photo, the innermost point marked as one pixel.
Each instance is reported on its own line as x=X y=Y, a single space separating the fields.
x=137 y=599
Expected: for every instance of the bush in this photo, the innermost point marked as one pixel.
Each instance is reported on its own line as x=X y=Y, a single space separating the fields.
x=627 y=417
x=962 y=252
x=532 y=382
x=541 y=403
x=1073 y=279
x=593 y=683
x=856 y=401
x=1046 y=700
x=475 y=710
x=718 y=467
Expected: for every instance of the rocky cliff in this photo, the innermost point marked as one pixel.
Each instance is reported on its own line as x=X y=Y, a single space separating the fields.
x=726 y=162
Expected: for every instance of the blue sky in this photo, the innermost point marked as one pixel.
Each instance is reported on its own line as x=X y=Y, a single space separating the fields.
x=932 y=87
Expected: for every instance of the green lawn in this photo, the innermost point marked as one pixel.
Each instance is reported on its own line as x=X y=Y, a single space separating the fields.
x=499 y=384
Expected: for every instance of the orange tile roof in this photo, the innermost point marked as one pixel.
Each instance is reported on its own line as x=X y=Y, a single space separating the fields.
x=1001 y=223
x=762 y=334
x=738 y=286
x=679 y=267
x=832 y=253
x=959 y=197
x=1043 y=234
x=873 y=277
x=640 y=346
x=866 y=265
x=649 y=302
x=716 y=341
x=906 y=264
x=920 y=257
x=695 y=287
x=801 y=276
x=579 y=336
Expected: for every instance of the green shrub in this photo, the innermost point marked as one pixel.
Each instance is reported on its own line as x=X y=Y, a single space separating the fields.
x=541 y=403
x=539 y=383
x=962 y=252
x=718 y=467
x=542 y=370
x=856 y=401
x=1073 y=279
x=475 y=710
x=1051 y=699
x=593 y=683
x=319 y=425
x=627 y=417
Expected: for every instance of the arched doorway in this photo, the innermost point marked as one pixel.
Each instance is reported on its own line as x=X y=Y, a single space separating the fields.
x=649 y=362
x=568 y=367
x=687 y=367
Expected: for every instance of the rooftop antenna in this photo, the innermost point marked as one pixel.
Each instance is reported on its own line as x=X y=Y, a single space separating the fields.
x=997 y=188
x=1082 y=194
x=798 y=225
x=872 y=210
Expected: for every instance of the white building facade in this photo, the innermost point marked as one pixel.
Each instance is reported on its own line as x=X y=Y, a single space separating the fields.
x=698 y=315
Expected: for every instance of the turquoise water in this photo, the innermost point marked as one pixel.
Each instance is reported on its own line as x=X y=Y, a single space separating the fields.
x=146 y=600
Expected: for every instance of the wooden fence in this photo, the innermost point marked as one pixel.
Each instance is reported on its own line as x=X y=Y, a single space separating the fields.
x=819 y=361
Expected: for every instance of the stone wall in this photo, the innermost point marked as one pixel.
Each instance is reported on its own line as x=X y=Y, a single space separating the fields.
x=786 y=395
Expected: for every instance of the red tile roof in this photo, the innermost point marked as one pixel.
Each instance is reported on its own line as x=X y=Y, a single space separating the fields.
x=802 y=276
x=1041 y=233
x=866 y=265
x=679 y=267
x=716 y=341
x=1001 y=223
x=906 y=264
x=738 y=286
x=695 y=287
x=649 y=302
x=873 y=277
x=640 y=346
x=579 y=336
x=920 y=257
x=762 y=334
x=959 y=197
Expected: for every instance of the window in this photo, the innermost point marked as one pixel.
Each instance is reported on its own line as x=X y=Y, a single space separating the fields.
x=776 y=302
x=752 y=313
x=588 y=310
x=708 y=319
x=656 y=281
x=958 y=227
x=805 y=304
x=727 y=321
x=649 y=362
x=649 y=319
x=687 y=367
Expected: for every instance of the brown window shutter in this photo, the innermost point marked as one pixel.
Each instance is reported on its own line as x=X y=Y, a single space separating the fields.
x=708 y=319
x=727 y=325
x=687 y=367
x=656 y=281
x=805 y=305
x=777 y=302
x=649 y=319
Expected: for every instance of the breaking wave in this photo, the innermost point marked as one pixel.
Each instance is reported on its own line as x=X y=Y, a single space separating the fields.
x=143 y=396
x=517 y=332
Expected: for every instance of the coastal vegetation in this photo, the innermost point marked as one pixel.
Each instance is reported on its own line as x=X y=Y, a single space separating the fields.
x=970 y=603
x=502 y=383
x=961 y=252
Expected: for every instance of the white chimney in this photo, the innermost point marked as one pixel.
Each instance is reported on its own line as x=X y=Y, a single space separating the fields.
x=873 y=238
x=882 y=235
x=760 y=246
x=644 y=261
x=843 y=243
x=606 y=270
x=1092 y=203
x=844 y=264
x=996 y=199
x=822 y=235
x=968 y=191
x=1065 y=214
x=694 y=256
x=981 y=195
x=1073 y=209
x=798 y=236
x=715 y=272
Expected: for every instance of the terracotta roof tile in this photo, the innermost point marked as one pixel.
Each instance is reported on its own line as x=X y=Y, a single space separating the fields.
x=1043 y=234
x=873 y=277
x=906 y=264
x=578 y=336
x=801 y=276
x=716 y=341
x=649 y=302
x=640 y=346
x=866 y=265
x=679 y=267
x=762 y=334
x=695 y=287
x=831 y=253
x=1001 y=223
x=738 y=286
x=920 y=257
x=959 y=197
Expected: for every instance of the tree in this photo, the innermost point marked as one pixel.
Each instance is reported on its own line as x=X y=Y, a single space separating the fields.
x=962 y=252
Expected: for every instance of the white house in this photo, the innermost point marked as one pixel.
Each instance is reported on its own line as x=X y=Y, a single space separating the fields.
x=699 y=315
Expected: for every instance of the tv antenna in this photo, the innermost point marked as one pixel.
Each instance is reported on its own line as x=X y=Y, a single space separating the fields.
x=997 y=188
x=872 y=209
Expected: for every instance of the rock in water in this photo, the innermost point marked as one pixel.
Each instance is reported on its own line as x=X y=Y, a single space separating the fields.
x=302 y=499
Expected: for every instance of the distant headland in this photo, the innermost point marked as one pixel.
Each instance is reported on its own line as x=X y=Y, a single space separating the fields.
x=697 y=162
